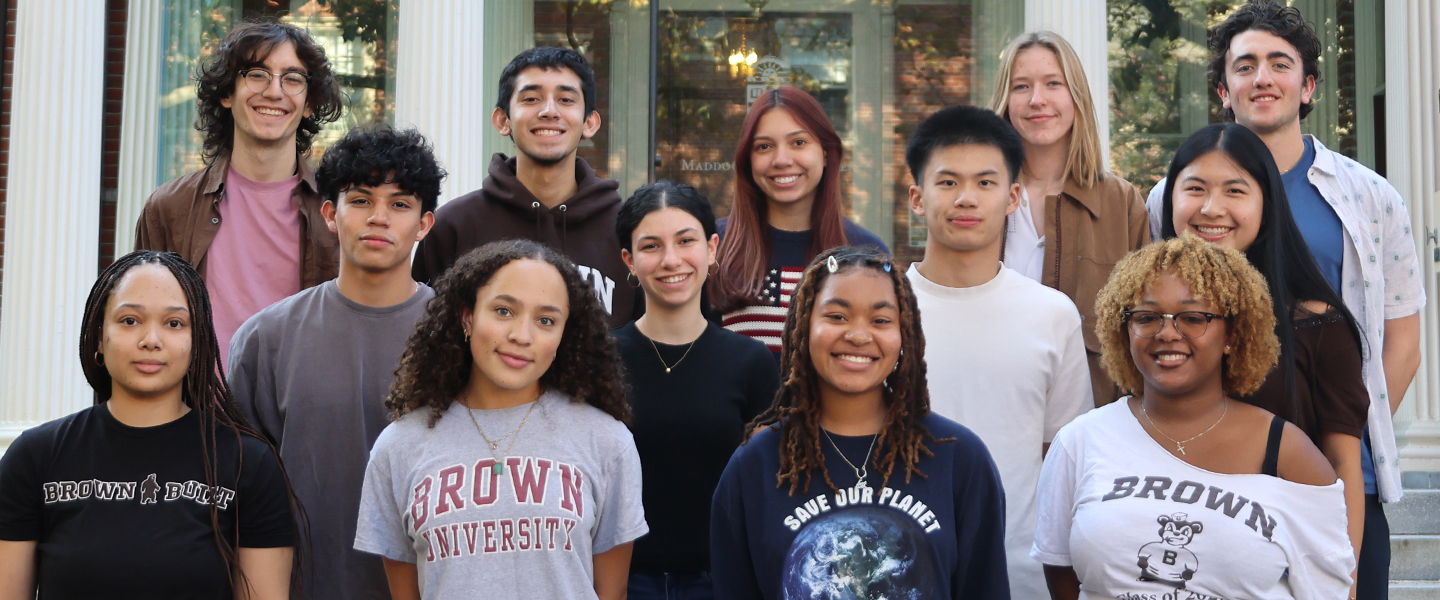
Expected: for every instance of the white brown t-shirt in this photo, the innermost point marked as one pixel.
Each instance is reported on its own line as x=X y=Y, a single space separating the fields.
x=569 y=489
x=1138 y=523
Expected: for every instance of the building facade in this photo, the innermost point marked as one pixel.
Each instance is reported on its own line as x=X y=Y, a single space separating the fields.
x=98 y=106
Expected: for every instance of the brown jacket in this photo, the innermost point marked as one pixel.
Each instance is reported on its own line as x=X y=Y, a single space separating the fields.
x=183 y=216
x=1086 y=232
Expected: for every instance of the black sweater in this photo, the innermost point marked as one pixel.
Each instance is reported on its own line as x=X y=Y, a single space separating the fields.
x=687 y=423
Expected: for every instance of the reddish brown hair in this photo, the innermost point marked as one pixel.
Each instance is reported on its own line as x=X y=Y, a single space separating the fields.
x=745 y=251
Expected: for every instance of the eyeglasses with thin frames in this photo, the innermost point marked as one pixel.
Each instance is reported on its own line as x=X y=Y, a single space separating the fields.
x=1189 y=324
x=293 y=83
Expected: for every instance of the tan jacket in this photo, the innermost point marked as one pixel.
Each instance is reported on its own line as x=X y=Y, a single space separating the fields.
x=183 y=216
x=1087 y=231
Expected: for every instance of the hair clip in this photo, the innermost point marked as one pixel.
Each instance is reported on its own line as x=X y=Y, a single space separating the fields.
x=886 y=266
x=832 y=265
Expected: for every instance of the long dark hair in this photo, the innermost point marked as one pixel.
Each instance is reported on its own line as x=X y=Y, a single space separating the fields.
x=437 y=362
x=1279 y=251
x=204 y=388
x=745 y=251
x=246 y=47
x=796 y=408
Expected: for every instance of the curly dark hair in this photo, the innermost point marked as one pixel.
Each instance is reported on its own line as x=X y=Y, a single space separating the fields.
x=246 y=47
x=797 y=404
x=374 y=155
x=437 y=362
x=547 y=58
x=204 y=390
x=1285 y=22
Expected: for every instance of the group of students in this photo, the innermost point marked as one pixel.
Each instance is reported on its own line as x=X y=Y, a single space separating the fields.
x=569 y=396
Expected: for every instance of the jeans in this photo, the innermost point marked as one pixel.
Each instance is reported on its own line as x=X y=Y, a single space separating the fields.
x=1373 y=575
x=671 y=586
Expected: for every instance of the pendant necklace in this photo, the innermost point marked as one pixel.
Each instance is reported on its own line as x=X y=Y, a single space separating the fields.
x=499 y=467
x=662 y=359
x=864 y=469
x=1180 y=444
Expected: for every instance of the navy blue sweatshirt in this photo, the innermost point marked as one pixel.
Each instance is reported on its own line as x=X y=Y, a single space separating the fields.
x=941 y=536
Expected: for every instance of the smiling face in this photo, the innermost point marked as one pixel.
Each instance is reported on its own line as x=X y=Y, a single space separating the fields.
x=786 y=161
x=1040 y=107
x=516 y=326
x=146 y=338
x=1265 y=82
x=1170 y=363
x=377 y=226
x=964 y=198
x=855 y=332
x=671 y=258
x=270 y=117
x=1218 y=201
x=547 y=116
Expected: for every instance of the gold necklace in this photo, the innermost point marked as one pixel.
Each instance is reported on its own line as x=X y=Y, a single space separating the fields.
x=499 y=467
x=1180 y=445
x=682 y=356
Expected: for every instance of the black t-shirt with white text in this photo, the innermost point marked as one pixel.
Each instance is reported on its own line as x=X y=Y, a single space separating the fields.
x=123 y=512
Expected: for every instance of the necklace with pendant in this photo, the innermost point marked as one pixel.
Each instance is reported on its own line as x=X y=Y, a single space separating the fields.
x=662 y=359
x=499 y=467
x=864 y=469
x=1180 y=444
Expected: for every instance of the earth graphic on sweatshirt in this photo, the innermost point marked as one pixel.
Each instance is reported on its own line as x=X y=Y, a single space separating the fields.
x=861 y=553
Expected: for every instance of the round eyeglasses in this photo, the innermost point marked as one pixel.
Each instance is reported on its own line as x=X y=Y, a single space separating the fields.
x=258 y=80
x=1189 y=324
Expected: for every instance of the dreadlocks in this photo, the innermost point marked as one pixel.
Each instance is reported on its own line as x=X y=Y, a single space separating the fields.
x=204 y=389
x=796 y=409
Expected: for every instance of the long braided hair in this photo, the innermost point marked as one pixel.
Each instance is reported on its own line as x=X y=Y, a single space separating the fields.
x=203 y=390
x=796 y=410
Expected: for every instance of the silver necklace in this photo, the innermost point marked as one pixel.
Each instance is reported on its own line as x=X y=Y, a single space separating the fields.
x=864 y=469
x=499 y=467
x=1180 y=444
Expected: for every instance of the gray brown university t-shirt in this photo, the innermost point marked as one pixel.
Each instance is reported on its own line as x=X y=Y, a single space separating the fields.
x=311 y=372
x=569 y=489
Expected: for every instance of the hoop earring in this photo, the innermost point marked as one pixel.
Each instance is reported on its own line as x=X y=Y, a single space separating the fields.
x=99 y=358
x=630 y=276
x=467 y=336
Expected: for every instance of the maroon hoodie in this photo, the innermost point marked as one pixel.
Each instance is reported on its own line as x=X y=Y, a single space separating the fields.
x=582 y=228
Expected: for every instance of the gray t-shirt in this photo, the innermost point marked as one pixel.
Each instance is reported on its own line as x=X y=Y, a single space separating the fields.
x=311 y=372
x=568 y=489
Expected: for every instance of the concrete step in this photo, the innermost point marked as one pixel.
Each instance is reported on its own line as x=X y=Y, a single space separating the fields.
x=1414 y=590
x=1418 y=513
x=1415 y=557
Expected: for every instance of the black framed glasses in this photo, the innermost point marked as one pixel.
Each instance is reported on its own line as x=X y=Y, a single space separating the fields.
x=293 y=83
x=1189 y=324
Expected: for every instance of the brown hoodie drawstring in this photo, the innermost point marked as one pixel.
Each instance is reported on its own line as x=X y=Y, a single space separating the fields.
x=536 y=205
x=564 y=228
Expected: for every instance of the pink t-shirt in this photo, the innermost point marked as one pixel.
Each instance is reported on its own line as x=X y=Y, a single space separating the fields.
x=255 y=258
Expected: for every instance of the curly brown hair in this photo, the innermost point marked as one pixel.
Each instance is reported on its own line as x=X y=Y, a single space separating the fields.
x=1220 y=275
x=246 y=47
x=797 y=404
x=437 y=362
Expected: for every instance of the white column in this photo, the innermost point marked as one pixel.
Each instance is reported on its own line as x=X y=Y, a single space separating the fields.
x=139 y=118
x=439 y=76
x=52 y=225
x=1082 y=23
x=1412 y=51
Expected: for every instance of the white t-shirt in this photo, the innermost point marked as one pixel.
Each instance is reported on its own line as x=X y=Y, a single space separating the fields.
x=1006 y=358
x=1137 y=522
x=1024 y=244
x=569 y=489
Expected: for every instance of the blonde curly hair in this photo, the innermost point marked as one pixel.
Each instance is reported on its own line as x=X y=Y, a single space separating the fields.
x=1219 y=275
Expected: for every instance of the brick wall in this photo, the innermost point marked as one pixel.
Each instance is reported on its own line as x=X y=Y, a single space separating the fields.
x=6 y=72
x=110 y=143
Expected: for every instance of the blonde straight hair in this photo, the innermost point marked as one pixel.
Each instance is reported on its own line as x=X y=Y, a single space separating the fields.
x=1084 y=162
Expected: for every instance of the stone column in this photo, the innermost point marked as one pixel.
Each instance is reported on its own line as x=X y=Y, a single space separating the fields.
x=1082 y=23
x=1412 y=51
x=52 y=225
x=140 y=118
x=439 y=85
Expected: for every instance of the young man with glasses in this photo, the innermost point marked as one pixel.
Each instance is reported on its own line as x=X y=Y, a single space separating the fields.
x=1006 y=355
x=1264 y=66
x=546 y=192
x=250 y=220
